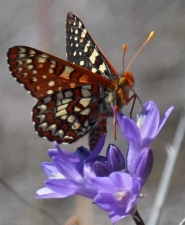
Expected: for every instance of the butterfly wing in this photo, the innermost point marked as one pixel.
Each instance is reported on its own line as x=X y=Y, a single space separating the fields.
x=68 y=115
x=82 y=50
x=43 y=74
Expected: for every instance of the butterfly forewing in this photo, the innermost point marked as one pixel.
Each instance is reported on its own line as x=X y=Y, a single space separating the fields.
x=43 y=74
x=82 y=50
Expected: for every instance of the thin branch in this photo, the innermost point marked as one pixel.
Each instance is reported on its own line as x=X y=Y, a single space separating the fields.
x=167 y=172
x=182 y=222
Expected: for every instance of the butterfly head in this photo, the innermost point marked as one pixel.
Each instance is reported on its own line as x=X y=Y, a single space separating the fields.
x=126 y=79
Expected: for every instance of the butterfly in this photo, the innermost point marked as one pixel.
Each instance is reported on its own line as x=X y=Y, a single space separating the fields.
x=74 y=97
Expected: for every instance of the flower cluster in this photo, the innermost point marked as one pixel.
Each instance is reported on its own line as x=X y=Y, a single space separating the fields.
x=113 y=182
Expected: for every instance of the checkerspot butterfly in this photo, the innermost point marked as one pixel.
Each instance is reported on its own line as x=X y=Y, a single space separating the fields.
x=74 y=96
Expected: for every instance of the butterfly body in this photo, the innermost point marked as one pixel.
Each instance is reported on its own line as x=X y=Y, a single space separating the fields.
x=74 y=96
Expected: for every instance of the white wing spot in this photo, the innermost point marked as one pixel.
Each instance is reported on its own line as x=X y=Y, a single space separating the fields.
x=74 y=53
x=44 y=76
x=51 y=70
x=49 y=92
x=32 y=52
x=51 y=83
x=75 y=38
x=64 y=117
x=66 y=100
x=21 y=56
x=76 y=109
x=41 y=117
x=52 y=128
x=34 y=71
x=28 y=61
x=60 y=133
x=76 y=31
x=62 y=107
x=30 y=67
x=93 y=56
x=61 y=113
x=85 y=111
x=42 y=108
x=68 y=137
x=41 y=59
x=19 y=69
x=81 y=63
x=94 y=70
x=85 y=101
x=22 y=50
x=43 y=126
x=83 y=34
x=102 y=67
x=76 y=125
x=71 y=119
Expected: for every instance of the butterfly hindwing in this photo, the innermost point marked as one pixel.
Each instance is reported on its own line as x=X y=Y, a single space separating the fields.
x=82 y=50
x=96 y=132
x=68 y=115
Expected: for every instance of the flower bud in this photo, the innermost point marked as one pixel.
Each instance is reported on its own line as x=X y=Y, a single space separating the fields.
x=115 y=158
x=143 y=165
x=102 y=169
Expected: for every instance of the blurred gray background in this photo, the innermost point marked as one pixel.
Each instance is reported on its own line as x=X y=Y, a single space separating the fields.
x=159 y=73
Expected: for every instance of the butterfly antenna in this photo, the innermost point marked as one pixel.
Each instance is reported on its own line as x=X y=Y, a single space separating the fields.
x=124 y=52
x=148 y=39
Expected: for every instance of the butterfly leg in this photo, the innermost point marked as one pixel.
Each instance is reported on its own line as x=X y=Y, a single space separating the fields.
x=134 y=96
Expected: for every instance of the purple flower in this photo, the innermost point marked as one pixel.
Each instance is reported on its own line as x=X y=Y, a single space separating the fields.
x=70 y=170
x=140 y=134
x=117 y=194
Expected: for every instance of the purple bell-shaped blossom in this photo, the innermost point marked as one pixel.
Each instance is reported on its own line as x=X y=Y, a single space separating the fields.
x=117 y=194
x=140 y=134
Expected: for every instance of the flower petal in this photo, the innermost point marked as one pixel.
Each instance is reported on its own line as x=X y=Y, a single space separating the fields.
x=129 y=129
x=48 y=168
x=104 y=201
x=121 y=179
x=150 y=126
x=97 y=149
x=67 y=169
x=103 y=184
x=48 y=193
x=165 y=117
x=63 y=186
